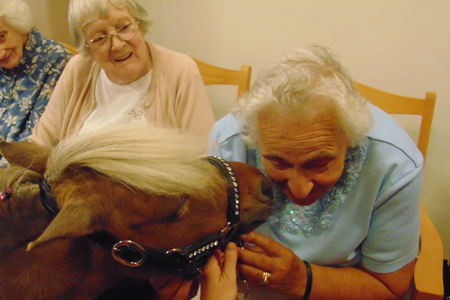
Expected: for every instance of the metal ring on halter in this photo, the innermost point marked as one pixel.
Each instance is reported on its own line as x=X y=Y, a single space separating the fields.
x=265 y=278
x=132 y=248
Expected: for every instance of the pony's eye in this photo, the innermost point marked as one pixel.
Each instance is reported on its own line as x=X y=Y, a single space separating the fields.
x=175 y=217
x=180 y=210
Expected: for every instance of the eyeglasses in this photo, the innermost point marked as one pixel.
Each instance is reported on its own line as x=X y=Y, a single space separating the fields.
x=103 y=43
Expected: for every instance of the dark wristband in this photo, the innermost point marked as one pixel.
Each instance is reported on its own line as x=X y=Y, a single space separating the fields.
x=309 y=280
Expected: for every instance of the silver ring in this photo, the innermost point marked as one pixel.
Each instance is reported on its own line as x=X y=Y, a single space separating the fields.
x=134 y=247
x=265 y=278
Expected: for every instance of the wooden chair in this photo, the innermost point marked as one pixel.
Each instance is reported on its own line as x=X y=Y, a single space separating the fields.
x=396 y=104
x=71 y=48
x=428 y=273
x=217 y=75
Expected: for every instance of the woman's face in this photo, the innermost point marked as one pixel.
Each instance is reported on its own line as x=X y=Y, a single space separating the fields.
x=12 y=43
x=125 y=61
x=304 y=160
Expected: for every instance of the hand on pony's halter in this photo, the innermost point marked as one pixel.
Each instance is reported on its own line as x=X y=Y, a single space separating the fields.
x=173 y=287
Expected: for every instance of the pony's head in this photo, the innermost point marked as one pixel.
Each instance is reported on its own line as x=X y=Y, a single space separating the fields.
x=137 y=183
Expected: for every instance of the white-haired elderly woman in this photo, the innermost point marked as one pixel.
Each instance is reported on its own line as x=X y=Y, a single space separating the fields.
x=347 y=184
x=30 y=66
x=121 y=78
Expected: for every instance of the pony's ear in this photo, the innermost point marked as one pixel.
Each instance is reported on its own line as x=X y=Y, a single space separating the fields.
x=77 y=218
x=26 y=154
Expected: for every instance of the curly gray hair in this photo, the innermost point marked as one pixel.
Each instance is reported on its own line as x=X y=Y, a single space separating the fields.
x=305 y=83
x=82 y=12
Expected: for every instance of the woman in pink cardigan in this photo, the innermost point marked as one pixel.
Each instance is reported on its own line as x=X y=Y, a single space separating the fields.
x=120 y=78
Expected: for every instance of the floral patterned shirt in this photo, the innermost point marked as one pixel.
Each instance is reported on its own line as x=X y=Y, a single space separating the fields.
x=26 y=89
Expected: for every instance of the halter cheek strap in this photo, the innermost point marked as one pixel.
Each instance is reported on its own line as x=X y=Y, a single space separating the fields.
x=233 y=211
x=47 y=198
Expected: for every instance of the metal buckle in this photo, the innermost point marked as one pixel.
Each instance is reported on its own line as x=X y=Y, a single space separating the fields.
x=226 y=232
x=131 y=249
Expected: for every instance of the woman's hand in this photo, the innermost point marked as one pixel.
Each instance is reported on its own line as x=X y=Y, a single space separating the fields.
x=287 y=272
x=219 y=278
x=175 y=288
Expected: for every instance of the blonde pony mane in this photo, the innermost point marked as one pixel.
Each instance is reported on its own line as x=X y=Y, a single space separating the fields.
x=22 y=181
x=155 y=160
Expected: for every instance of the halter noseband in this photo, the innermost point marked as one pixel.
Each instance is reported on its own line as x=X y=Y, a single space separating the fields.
x=186 y=262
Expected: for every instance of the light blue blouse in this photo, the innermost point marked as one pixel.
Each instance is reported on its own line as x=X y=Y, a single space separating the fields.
x=26 y=89
x=372 y=215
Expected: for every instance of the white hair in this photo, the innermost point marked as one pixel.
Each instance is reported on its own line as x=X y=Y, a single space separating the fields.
x=305 y=83
x=17 y=14
x=82 y=12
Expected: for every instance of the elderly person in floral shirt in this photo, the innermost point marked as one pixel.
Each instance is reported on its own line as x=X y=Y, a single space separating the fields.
x=30 y=66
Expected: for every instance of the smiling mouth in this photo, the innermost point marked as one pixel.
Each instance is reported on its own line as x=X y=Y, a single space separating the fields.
x=124 y=57
x=6 y=59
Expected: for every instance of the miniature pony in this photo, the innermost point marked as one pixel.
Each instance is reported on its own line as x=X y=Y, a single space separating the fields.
x=135 y=182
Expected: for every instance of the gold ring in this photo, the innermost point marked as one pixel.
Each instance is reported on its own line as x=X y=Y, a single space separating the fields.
x=265 y=278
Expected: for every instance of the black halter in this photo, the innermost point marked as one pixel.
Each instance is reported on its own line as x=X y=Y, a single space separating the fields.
x=187 y=261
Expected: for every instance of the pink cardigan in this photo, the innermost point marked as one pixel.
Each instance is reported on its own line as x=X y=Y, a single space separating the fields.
x=176 y=93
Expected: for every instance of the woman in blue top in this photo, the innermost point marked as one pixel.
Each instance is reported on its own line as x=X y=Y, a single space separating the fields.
x=30 y=66
x=348 y=180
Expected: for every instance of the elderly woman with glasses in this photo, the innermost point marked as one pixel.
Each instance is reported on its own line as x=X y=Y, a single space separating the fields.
x=120 y=78
x=30 y=66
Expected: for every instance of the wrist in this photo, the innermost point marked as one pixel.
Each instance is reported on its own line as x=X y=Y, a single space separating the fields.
x=304 y=278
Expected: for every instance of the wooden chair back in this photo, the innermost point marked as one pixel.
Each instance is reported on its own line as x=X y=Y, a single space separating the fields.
x=73 y=50
x=396 y=104
x=428 y=273
x=216 y=75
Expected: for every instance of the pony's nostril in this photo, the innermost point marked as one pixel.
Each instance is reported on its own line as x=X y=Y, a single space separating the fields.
x=267 y=189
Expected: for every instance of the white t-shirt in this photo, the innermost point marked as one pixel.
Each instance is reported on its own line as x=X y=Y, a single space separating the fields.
x=117 y=103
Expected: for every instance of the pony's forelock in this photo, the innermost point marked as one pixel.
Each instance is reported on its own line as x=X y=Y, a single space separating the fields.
x=159 y=161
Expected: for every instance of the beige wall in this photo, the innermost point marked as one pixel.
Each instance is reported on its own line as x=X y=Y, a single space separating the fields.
x=50 y=17
x=401 y=46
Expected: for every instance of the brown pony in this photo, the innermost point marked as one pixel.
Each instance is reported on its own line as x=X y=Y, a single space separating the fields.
x=135 y=182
